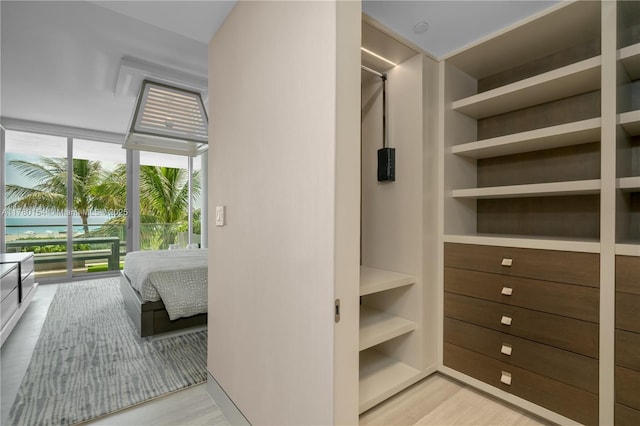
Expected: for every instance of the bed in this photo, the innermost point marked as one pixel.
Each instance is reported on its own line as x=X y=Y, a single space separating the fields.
x=165 y=290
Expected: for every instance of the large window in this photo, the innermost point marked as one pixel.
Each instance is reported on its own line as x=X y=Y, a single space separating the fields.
x=48 y=209
x=36 y=200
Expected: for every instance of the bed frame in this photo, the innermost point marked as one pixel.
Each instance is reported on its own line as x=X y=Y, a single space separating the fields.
x=151 y=318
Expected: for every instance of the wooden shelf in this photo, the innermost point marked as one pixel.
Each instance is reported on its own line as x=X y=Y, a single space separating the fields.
x=630 y=184
x=534 y=140
x=581 y=77
x=630 y=121
x=377 y=327
x=381 y=377
x=628 y=248
x=373 y=280
x=531 y=190
x=585 y=245
x=630 y=58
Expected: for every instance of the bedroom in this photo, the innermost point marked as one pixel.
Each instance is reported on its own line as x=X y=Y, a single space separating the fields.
x=279 y=265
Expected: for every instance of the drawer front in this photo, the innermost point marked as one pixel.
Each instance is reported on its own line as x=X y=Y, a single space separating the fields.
x=9 y=281
x=26 y=285
x=628 y=350
x=628 y=312
x=628 y=274
x=562 y=332
x=564 y=366
x=557 y=298
x=626 y=416
x=8 y=306
x=628 y=387
x=568 y=401
x=548 y=265
x=26 y=266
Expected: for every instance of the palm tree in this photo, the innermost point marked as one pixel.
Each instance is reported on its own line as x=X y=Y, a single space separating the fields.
x=50 y=190
x=164 y=198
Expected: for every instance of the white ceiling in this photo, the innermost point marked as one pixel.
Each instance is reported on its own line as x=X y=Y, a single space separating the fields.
x=60 y=60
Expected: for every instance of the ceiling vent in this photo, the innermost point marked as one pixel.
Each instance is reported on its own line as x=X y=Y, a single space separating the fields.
x=169 y=120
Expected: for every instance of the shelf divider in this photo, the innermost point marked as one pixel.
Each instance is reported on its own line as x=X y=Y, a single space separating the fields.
x=591 y=186
x=630 y=121
x=534 y=140
x=630 y=184
x=377 y=326
x=581 y=77
x=373 y=280
x=629 y=56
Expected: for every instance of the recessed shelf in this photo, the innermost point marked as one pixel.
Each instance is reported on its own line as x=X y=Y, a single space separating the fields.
x=377 y=327
x=631 y=184
x=628 y=248
x=534 y=140
x=581 y=77
x=630 y=58
x=630 y=121
x=373 y=280
x=585 y=245
x=591 y=186
x=382 y=376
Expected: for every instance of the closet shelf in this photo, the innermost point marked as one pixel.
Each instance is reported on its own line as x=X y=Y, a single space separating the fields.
x=630 y=121
x=534 y=140
x=531 y=190
x=631 y=184
x=382 y=376
x=581 y=77
x=628 y=248
x=373 y=280
x=630 y=58
x=585 y=245
x=377 y=327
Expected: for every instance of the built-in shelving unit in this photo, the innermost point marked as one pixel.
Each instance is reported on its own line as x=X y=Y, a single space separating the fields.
x=381 y=375
x=530 y=118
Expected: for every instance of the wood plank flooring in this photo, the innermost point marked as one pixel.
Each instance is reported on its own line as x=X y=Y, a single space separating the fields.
x=436 y=400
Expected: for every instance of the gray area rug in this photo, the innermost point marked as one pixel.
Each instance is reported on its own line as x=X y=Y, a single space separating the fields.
x=88 y=362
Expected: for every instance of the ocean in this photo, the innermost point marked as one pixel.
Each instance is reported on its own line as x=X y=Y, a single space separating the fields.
x=48 y=225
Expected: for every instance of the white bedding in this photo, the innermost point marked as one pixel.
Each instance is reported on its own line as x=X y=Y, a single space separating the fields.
x=178 y=277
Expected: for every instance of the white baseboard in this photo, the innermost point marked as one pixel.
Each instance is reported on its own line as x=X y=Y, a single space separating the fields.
x=231 y=412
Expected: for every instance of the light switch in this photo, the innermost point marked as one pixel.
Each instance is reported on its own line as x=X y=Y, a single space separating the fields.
x=220 y=219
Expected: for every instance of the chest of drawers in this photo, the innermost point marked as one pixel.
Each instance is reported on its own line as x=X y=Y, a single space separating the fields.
x=627 y=350
x=525 y=321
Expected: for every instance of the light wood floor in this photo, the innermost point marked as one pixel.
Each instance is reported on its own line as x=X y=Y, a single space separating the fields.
x=436 y=400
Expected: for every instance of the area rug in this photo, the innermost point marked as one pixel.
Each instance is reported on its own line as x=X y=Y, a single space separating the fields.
x=88 y=362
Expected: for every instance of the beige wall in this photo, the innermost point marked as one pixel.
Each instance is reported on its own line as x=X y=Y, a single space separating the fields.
x=278 y=111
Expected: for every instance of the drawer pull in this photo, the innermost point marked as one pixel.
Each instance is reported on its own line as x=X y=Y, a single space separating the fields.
x=506 y=349
x=505 y=378
x=505 y=320
x=507 y=262
x=506 y=291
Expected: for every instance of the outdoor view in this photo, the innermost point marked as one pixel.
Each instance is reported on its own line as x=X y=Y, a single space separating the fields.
x=38 y=219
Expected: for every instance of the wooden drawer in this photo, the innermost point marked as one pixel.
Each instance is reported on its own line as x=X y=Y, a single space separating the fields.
x=555 y=330
x=628 y=387
x=628 y=274
x=625 y=416
x=566 y=400
x=564 y=366
x=628 y=349
x=557 y=298
x=628 y=311
x=548 y=265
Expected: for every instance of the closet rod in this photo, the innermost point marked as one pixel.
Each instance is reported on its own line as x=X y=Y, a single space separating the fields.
x=379 y=74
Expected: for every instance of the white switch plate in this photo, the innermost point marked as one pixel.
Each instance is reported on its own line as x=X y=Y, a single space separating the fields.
x=220 y=219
